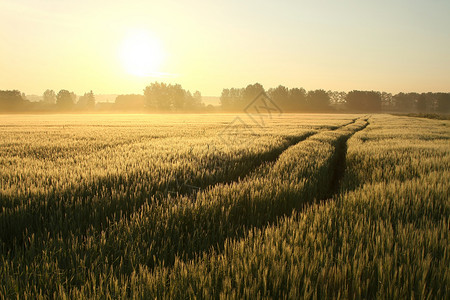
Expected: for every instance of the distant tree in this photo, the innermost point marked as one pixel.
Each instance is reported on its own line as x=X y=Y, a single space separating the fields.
x=197 y=97
x=405 y=101
x=169 y=97
x=226 y=101
x=236 y=99
x=87 y=101
x=369 y=101
x=177 y=97
x=250 y=92
x=131 y=102
x=210 y=108
x=280 y=95
x=337 y=99
x=64 y=100
x=387 y=103
x=193 y=102
x=432 y=102
x=49 y=97
x=443 y=103
x=231 y=99
x=297 y=99
x=74 y=97
x=422 y=103
x=12 y=101
x=157 y=97
x=318 y=100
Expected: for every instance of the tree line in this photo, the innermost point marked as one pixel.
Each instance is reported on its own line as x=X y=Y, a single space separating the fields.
x=63 y=101
x=300 y=100
x=157 y=97
x=162 y=97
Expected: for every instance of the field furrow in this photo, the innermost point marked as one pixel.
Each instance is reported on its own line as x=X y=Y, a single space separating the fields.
x=187 y=226
x=110 y=198
x=383 y=239
x=352 y=208
x=93 y=202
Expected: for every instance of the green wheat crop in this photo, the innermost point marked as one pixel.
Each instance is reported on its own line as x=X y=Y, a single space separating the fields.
x=153 y=206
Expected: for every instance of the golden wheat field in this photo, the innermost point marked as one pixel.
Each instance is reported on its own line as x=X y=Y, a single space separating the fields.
x=311 y=206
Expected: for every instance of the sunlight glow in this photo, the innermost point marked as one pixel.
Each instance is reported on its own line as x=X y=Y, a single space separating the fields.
x=141 y=54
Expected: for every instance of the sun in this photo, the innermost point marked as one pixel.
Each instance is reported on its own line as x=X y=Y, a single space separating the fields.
x=141 y=54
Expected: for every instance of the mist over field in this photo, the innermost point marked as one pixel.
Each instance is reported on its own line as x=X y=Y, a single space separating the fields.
x=167 y=98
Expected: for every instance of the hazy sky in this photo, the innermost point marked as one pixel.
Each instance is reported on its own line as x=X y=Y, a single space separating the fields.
x=208 y=45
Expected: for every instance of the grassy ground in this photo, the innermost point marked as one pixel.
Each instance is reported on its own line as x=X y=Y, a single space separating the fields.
x=309 y=206
x=427 y=115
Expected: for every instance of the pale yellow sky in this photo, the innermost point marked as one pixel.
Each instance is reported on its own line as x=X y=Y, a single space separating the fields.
x=210 y=45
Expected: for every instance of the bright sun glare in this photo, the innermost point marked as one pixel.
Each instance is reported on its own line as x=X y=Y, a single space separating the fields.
x=141 y=54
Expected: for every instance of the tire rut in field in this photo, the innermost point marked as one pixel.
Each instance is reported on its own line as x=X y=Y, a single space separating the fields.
x=332 y=187
x=187 y=189
x=340 y=163
x=57 y=218
x=216 y=243
x=274 y=155
x=57 y=214
x=191 y=230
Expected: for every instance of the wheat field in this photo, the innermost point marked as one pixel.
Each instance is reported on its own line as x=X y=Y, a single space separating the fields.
x=308 y=206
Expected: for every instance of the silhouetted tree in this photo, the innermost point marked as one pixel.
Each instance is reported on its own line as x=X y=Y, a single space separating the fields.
x=167 y=97
x=369 y=101
x=443 y=103
x=422 y=103
x=210 y=108
x=297 y=99
x=64 y=100
x=193 y=102
x=87 y=101
x=405 y=101
x=197 y=98
x=387 y=102
x=318 y=100
x=157 y=96
x=250 y=92
x=280 y=95
x=432 y=101
x=336 y=97
x=178 y=97
x=49 y=97
x=237 y=99
x=12 y=101
x=231 y=99
x=74 y=97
